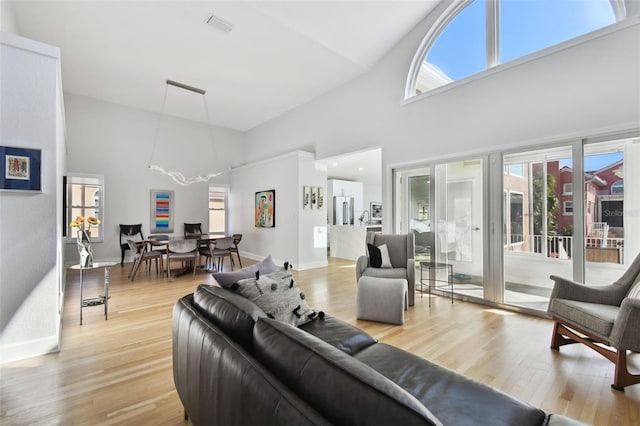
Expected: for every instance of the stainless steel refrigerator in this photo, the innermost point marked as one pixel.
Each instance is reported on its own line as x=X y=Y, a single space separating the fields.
x=343 y=211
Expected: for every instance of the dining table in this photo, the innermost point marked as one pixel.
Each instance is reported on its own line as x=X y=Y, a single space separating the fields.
x=180 y=244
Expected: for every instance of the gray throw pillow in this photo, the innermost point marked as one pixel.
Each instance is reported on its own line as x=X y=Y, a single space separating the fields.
x=228 y=279
x=278 y=295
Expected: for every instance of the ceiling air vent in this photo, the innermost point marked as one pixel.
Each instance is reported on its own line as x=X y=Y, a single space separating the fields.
x=219 y=23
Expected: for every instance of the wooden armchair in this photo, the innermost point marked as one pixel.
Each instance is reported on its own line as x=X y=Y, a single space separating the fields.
x=605 y=318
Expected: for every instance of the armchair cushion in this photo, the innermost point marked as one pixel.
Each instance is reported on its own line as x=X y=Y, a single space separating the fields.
x=385 y=272
x=379 y=256
x=593 y=318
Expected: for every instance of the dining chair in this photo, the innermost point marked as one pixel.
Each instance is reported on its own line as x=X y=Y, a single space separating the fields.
x=142 y=253
x=185 y=251
x=221 y=249
x=128 y=232
x=234 y=249
x=206 y=250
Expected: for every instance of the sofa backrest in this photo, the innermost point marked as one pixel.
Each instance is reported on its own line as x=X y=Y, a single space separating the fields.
x=342 y=389
x=219 y=383
x=233 y=314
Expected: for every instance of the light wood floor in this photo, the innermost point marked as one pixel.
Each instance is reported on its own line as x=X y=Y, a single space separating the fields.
x=119 y=371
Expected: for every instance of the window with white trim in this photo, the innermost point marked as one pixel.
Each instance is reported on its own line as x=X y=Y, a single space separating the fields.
x=475 y=35
x=218 y=210
x=567 y=188
x=84 y=197
x=617 y=188
x=567 y=208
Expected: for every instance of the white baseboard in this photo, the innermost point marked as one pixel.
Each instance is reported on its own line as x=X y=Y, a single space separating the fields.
x=28 y=349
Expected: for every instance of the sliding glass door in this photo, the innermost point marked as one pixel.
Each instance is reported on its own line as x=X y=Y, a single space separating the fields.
x=537 y=223
x=610 y=190
x=459 y=222
x=508 y=221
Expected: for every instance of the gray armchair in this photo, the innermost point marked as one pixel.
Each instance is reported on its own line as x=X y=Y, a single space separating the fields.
x=401 y=249
x=605 y=318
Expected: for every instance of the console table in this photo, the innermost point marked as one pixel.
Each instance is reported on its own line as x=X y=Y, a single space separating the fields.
x=95 y=301
x=431 y=269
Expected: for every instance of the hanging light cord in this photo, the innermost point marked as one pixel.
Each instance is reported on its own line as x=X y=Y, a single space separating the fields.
x=178 y=177
x=155 y=136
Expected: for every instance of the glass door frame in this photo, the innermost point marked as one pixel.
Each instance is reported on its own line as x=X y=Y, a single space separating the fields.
x=492 y=206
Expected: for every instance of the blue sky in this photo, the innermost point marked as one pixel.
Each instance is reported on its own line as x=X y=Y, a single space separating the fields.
x=526 y=26
x=596 y=162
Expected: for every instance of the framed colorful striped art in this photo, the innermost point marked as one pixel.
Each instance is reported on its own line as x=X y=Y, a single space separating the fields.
x=161 y=211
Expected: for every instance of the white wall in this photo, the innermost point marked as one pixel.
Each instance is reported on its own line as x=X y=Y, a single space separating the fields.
x=30 y=228
x=7 y=17
x=585 y=89
x=117 y=142
x=292 y=237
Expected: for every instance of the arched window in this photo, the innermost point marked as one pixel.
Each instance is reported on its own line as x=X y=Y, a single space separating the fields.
x=474 y=35
x=617 y=188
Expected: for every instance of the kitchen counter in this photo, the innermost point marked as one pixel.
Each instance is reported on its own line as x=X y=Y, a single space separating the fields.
x=348 y=241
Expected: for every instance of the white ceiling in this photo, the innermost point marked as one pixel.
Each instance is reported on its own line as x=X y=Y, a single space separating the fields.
x=280 y=54
x=361 y=166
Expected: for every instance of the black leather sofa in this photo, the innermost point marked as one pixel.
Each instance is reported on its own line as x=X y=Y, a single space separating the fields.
x=233 y=365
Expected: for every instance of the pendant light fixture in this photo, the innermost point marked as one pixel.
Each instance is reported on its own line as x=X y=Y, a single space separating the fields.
x=177 y=176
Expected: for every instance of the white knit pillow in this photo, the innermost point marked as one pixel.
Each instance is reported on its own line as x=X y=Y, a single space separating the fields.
x=278 y=295
x=384 y=253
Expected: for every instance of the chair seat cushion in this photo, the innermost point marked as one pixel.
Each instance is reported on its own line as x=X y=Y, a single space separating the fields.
x=385 y=272
x=594 y=318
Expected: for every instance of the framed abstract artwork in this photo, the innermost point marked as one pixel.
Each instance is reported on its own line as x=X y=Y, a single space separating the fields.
x=161 y=211
x=265 y=211
x=21 y=169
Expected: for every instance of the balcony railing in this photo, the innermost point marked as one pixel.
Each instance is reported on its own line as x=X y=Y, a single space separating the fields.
x=561 y=247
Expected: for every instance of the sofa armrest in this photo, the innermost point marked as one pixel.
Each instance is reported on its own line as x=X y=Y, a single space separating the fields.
x=624 y=334
x=361 y=264
x=411 y=280
x=571 y=290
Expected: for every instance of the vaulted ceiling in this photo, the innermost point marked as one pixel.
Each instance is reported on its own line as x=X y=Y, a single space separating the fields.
x=279 y=54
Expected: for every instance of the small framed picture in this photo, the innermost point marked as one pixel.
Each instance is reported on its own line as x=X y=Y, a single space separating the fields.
x=320 y=198
x=376 y=212
x=314 y=197
x=21 y=169
x=306 y=197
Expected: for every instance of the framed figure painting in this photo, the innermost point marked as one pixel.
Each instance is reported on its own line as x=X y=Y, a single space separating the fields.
x=320 y=198
x=265 y=210
x=306 y=197
x=314 y=197
x=21 y=169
